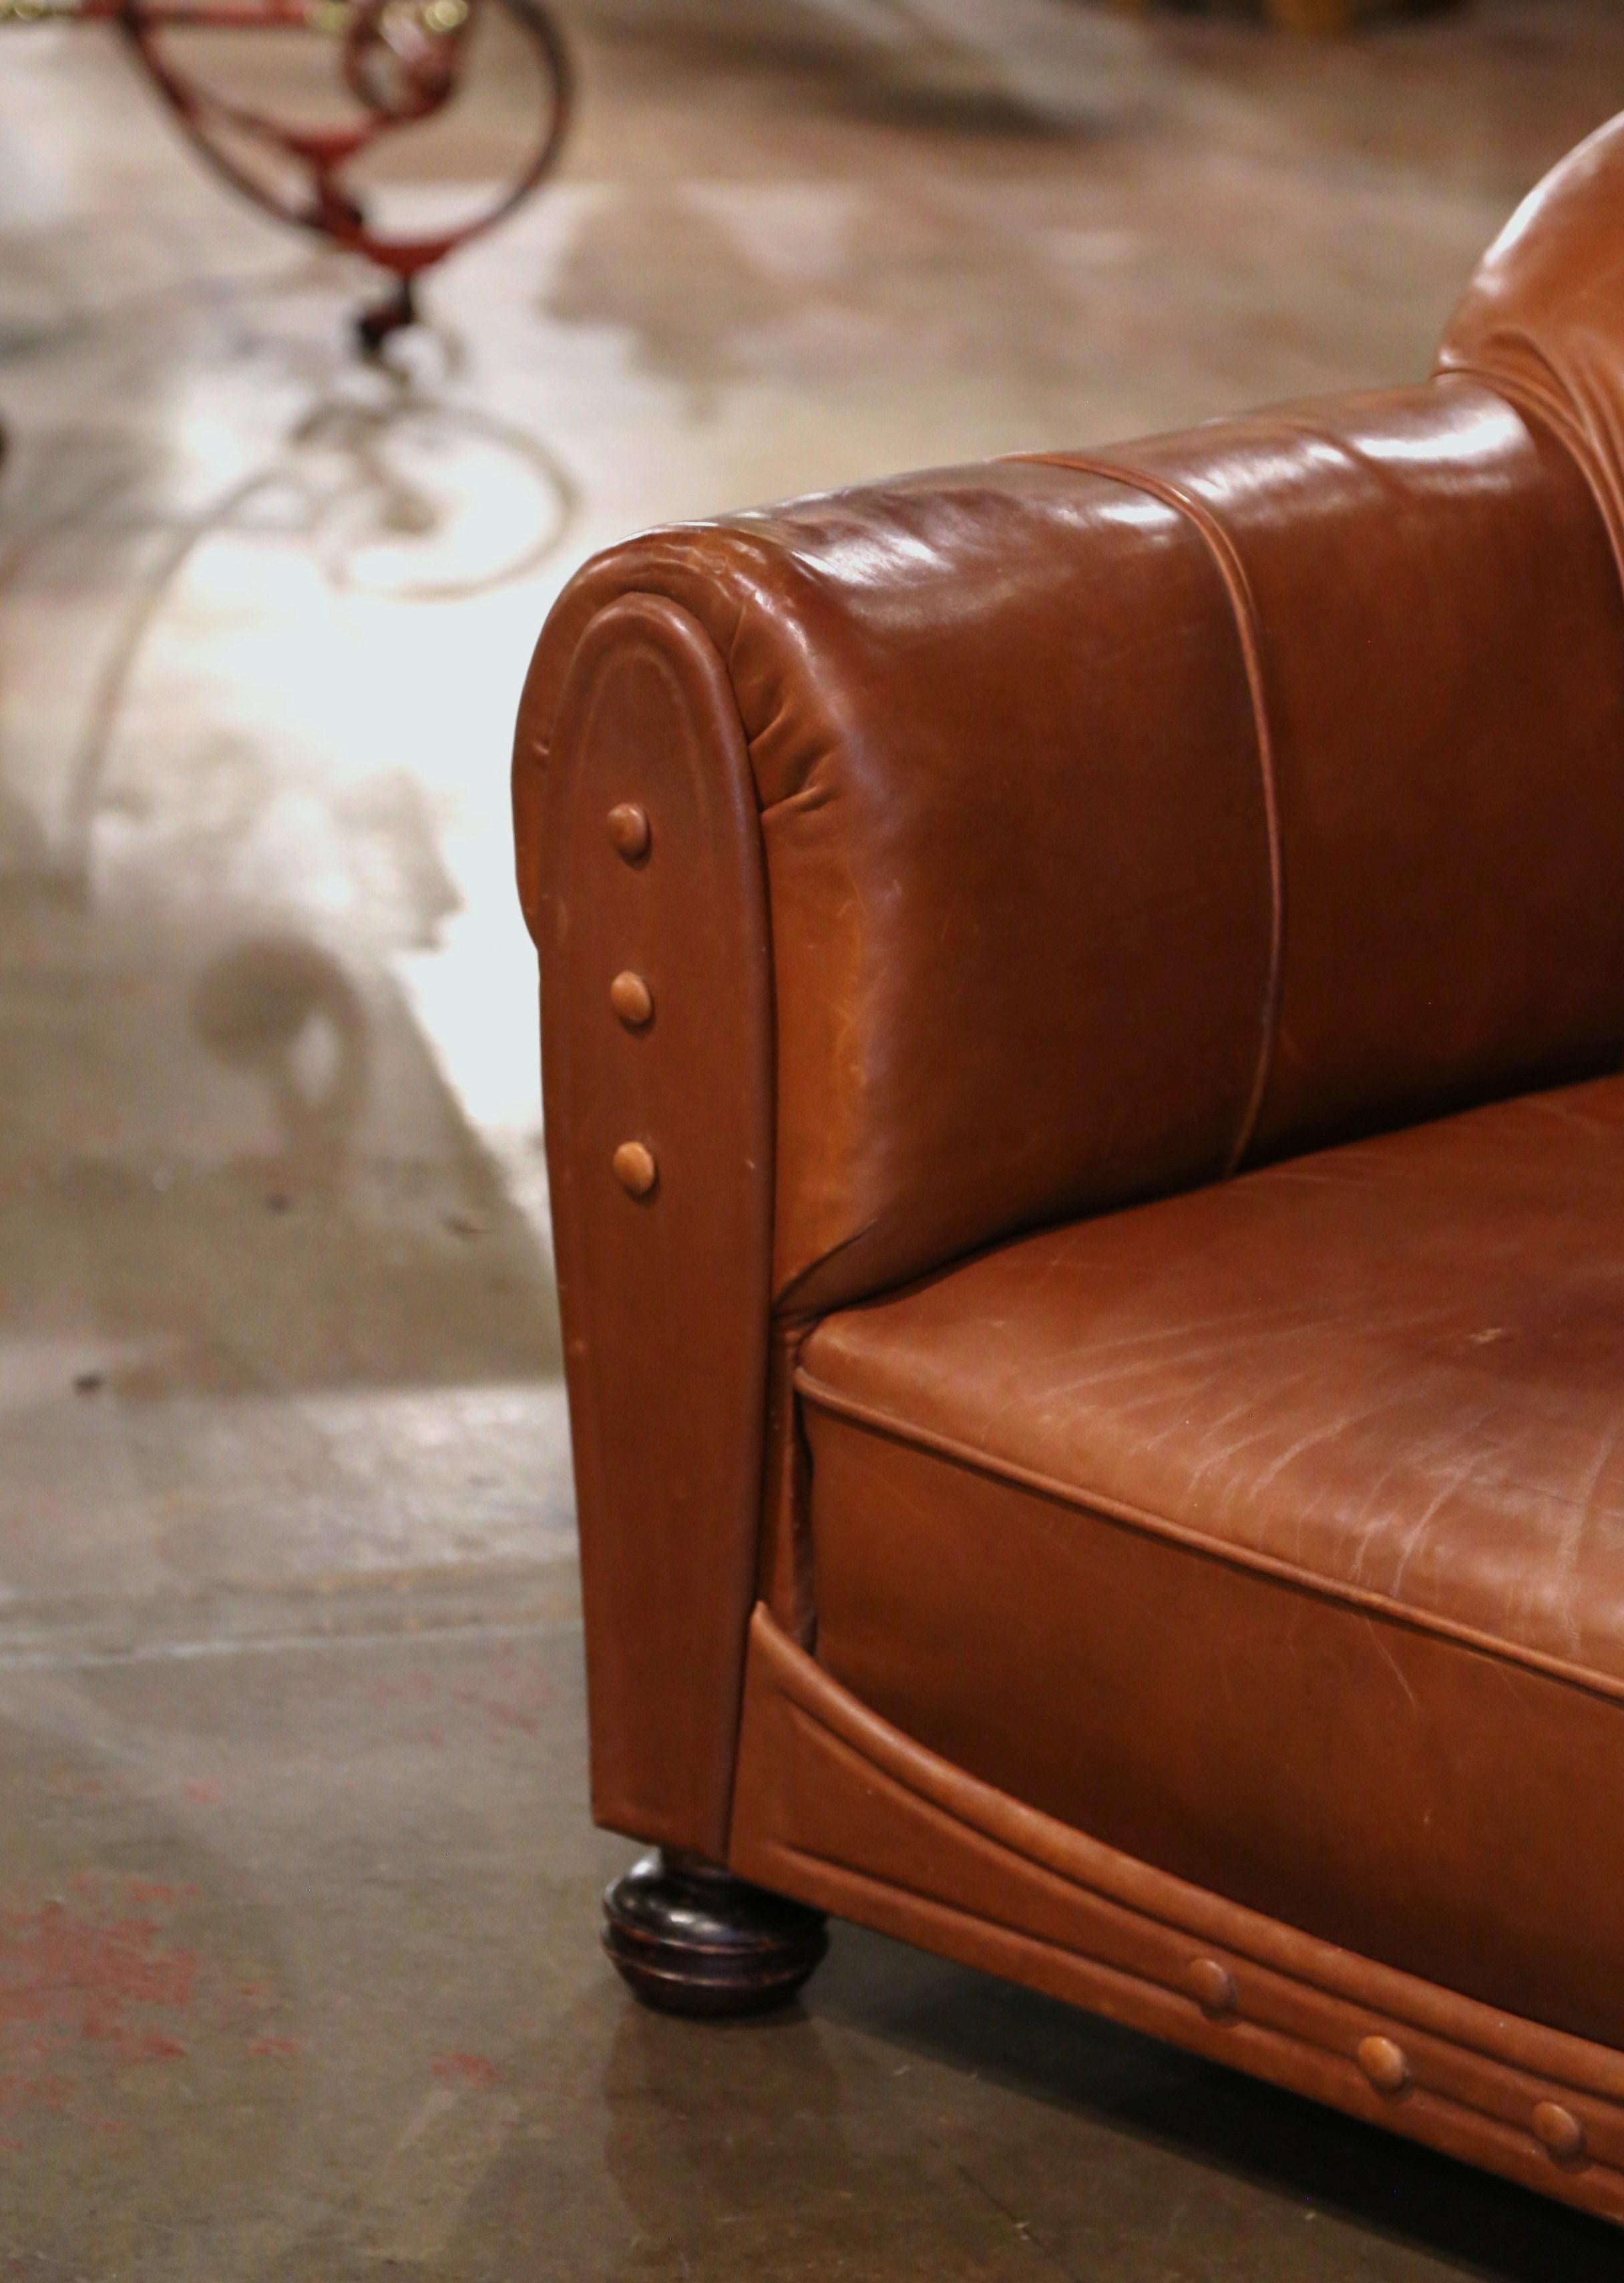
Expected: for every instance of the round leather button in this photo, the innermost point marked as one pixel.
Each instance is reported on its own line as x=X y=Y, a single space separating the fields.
x=631 y=831
x=1560 y=2130
x=634 y=1168
x=1384 y=2063
x=632 y=999
x=1212 y=1985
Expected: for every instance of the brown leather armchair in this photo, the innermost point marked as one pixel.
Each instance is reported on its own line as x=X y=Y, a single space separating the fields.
x=1083 y=998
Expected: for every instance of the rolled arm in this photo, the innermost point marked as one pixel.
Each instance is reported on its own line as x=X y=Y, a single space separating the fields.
x=1006 y=844
x=1056 y=921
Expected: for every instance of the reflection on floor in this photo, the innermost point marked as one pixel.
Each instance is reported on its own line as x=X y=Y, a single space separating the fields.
x=297 y=1965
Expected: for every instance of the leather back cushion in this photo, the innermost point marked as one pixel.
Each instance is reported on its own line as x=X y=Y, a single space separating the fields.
x=1542 y=320
x=1033 y=958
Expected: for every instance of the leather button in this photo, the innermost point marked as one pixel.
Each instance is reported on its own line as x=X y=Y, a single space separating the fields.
x=634 y=1168
x=1561 y=2131
x=1210 y=1985
x=1384 y=2063
x=630 y=831
x=632 y=999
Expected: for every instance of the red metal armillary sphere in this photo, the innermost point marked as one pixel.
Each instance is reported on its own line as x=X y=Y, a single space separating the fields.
x=401 y=62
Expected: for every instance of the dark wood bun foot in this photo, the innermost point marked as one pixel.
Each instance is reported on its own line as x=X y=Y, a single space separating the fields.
x=690 y=1938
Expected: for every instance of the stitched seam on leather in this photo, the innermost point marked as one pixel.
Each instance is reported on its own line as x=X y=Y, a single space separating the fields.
x=1557 y=415
x=1249 y=1941
x=802 y=1631
x=1096 y=1889
x=1394 y=2006
x=1239 y=2034
x=1400 y=1996
x=1243 y=604
x=1239 y=1557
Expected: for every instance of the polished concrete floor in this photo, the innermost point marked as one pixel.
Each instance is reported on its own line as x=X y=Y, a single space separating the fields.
x=297 y=1976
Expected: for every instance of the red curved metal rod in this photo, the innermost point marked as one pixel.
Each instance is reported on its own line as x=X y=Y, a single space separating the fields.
x=399 y=61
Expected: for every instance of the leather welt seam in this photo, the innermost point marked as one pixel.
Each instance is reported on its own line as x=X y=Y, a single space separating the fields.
x=1235 y=2036
x=888 y=1884
x=1219 y=1549
x=1391 y=2007
x=1387 y=1995
x=1232 y=2035
x=1097 y=1890
x=1248 y=627
x=1545 y=409
x=1554 y=410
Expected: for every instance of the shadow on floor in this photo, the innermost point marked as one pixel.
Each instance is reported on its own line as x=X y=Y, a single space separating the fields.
x=1045 y=2051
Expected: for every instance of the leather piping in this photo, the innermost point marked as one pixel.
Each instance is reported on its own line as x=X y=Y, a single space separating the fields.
x=1399 y=1996
x=1243 y=603
x=1237 y=1557
x=1555 y=411
x=1160 y=1897
x=1014 y=1892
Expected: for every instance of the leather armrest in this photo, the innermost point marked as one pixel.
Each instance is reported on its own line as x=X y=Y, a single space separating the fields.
x=1124 y=822
x=1021 y=840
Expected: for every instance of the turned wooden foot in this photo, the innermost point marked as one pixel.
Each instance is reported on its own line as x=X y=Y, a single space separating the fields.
x=690 y=1938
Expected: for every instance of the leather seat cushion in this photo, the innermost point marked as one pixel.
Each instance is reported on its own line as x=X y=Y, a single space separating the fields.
x=1274 y=1534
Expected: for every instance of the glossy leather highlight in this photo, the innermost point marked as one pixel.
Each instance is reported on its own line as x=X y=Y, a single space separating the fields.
x=1542 y=320
x=1211 y=1606
x=1048 y=935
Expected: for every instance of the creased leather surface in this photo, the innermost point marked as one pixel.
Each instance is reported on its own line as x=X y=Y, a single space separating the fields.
x=1397 y=1366
x=1017 y=864
x=1027 y=944
x=1276 y=1534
